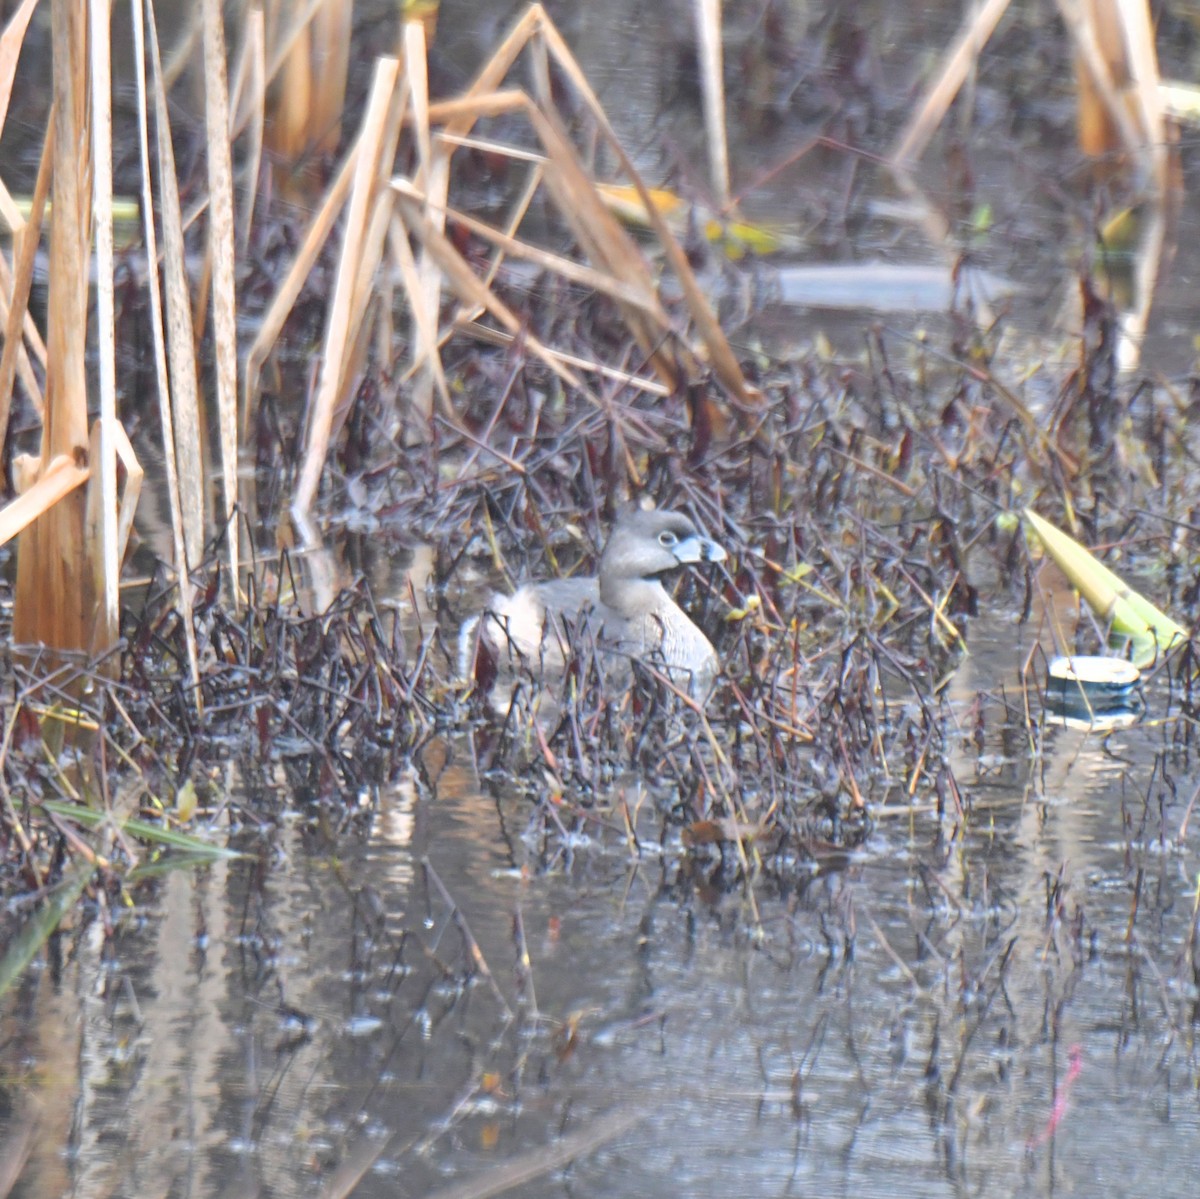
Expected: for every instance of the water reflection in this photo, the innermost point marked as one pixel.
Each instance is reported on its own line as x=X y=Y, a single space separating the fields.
x=433 y=993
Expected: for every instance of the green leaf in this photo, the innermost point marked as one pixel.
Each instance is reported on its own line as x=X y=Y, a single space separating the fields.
x=144 y=831
x=42 y=923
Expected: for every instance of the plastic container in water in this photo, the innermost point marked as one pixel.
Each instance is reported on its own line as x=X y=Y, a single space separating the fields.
x=1080 y=685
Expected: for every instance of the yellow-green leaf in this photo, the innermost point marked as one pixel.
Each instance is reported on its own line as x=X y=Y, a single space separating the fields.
x=1109 y=596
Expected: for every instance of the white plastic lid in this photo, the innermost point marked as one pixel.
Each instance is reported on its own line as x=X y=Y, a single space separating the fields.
x=1094 y=670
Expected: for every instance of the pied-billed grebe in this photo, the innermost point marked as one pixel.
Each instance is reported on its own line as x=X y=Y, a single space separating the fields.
x=626 y=608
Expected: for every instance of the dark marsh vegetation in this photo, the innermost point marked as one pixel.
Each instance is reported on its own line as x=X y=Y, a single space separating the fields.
x=868 y=895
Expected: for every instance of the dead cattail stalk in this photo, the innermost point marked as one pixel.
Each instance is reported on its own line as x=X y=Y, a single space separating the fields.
x=433 y=177
x=712 y=75
x=617 y=265
x=959 y=61
x=289 y=290
x=185 y=396
x=224 y=297
x=102 y=487
x=174 y=490
x=55 y=601
x=331 y=65
x=307 y=101
x=1121 y=109
x=247 y=108
x=1116 y=67
x=374 y=151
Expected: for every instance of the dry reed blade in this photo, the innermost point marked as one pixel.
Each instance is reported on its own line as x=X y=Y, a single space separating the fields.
x=366 y=177
x=959 y=61
x=181 y=357
x=493 y=71
x=1115 y=44
x=66 y=430
x=1147 y=263
x=608 y=245
x=102 y=490
x=363 y=293
x=32 y=337
x=246 y=84
x=134 y=474
x=712 y=77
x=11 y=41
x=639 y=294
x=427 y=333
x=248 y=109
x=633 y=295
x=59 y=479
x=312 y=60
x=416 y=76
x=26 y=255
x=224 y=294
x=459 y=275
x=724 y=361
x=437 y=188
x=467 y=314
x=10 y=214
x=1096 y=130
x=496 y=337
x=516 y=217
x=490 y=104
x=383 y=304
x=289 y=290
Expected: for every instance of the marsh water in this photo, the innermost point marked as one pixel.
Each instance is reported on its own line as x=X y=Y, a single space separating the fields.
x=997 y=1009
x=427 y=995
x=992 y=1004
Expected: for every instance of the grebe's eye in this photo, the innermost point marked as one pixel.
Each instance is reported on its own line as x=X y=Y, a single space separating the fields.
x=667 y=539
